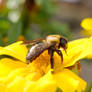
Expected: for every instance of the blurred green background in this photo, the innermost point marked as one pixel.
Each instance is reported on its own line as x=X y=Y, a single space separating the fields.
x=31 y=19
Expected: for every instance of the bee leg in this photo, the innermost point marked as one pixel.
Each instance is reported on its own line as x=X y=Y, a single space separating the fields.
x=51 y=51
x=59 y=53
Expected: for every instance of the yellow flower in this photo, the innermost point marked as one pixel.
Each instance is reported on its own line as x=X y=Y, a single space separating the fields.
x=17 y=76
x=86 y=24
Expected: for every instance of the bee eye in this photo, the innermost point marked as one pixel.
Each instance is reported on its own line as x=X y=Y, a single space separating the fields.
x=63 y=42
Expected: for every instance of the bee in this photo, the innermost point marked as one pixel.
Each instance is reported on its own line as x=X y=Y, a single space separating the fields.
x=52 y=43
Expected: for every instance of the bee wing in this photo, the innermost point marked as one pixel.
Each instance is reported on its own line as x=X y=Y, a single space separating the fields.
x=33 y=42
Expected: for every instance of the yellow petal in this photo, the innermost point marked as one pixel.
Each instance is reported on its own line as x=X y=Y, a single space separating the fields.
x=13 y=75
x=18 y=80
x=77 y=49
x=29 y=87
x=69 y=82
x=15 y=50
x=44 y=84
x=87 y=24
x=65 y=80
x=17 y=85
x=1 y=48
x=4 y=70
x=89 y=48
x=33 y=76
x=2 y=87
x=7 y=65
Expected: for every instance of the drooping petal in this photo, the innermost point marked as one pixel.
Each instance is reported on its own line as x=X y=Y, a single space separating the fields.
x=15 y=50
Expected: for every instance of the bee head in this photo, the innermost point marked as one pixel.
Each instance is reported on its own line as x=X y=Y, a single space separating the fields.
x=63 y=43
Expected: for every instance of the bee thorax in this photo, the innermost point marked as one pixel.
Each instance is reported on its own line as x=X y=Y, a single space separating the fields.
x=52 y=39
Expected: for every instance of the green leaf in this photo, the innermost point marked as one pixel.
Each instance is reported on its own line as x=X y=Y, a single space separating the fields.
x=14 y=32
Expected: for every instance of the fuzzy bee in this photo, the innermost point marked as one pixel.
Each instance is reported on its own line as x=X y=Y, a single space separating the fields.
x=52 y=43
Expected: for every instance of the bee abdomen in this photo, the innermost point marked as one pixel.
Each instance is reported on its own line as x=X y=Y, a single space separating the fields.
x=35 y=51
